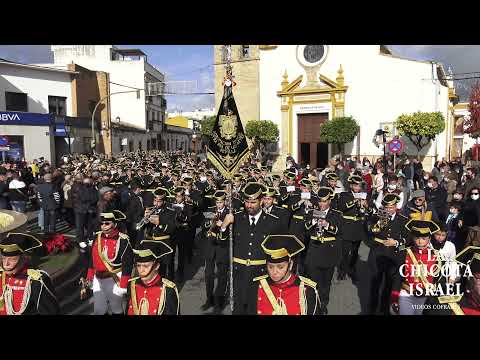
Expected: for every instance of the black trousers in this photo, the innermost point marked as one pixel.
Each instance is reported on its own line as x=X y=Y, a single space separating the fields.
x=49 y=220
x=323 y=278
x=84 y=224
x=349 y=256
x=184 y=240
x=242 y=285
x=382 y=269
x=221 y=263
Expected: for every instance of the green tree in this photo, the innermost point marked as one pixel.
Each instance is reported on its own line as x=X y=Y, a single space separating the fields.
x=206 y=126
x=339 y=130
x=420 y=127
x=262 y=131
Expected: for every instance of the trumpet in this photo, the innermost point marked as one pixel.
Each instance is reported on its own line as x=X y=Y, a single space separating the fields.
x=151 y=211
x=319 y=215
x=383 y=219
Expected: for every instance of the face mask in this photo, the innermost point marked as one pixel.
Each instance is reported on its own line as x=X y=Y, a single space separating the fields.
x=392 y=186
x=457 y=197
x=425 y=177
x=203 y=178
x=475 y=197
x=430 y=185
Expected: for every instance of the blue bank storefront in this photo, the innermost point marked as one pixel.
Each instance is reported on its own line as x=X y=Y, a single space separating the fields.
x=31 y=136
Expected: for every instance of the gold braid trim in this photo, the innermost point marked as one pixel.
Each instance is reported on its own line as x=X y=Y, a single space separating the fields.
x=277 y=309
x=224 y=171
x=303 y=299
x=457 y=310
x=133 y=296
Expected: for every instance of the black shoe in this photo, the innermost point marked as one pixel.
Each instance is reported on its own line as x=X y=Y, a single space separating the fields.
x=341 y=276
x=208 y=304
x=323 y=310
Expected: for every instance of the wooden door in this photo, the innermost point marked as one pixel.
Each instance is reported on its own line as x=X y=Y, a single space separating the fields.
x=309 y=133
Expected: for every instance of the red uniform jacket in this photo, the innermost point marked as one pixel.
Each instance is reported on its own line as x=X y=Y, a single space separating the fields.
x=158 y=297
x=119 y=255
x=288 y=295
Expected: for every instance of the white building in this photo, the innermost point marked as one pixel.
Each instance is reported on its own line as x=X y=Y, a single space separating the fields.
x=198 y=114
x=301 y=86
x=28 y=96
x=128 y=69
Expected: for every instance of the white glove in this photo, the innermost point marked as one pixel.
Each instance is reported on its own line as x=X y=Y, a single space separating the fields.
x=117 y=290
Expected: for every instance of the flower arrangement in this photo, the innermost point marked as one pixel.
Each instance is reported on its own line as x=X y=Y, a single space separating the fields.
x=57 y=243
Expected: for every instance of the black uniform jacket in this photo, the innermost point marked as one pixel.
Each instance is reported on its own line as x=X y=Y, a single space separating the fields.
x=324 y=251
x=355 y=228
x=215 y=245
x=283 y=215
x=247 y=241
x=165 y=229
x=394 y=229
x=135 y=210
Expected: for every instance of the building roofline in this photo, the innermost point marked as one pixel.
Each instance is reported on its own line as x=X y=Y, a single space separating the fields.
x=37 y=67
x=405 y=58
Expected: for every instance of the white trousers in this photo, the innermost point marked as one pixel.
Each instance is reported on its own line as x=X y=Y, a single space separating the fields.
x=411 y=305
x=104 y=298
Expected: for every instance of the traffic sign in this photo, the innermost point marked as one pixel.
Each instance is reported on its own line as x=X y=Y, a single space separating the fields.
x=396 y=146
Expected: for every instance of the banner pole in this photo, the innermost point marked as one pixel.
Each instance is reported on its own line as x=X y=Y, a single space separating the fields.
x=231 y=244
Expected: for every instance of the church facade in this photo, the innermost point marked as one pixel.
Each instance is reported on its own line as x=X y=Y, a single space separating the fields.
x=301 y=86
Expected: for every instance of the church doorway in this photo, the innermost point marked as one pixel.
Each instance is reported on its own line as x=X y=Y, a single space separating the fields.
x=311 y=150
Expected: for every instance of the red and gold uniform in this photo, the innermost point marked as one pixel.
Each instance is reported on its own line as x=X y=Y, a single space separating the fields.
x=157 y=297
x=24 y=291
x=111 y=254
x=110 y=268
x=291 y=297
x=152 y=294
x=289 y=294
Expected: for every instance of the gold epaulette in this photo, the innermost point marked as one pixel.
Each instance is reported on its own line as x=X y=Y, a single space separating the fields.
x=34 y=274
x=98 y=232
x=260 y=277
x=169 y=283
x=123 y=236
x=274 y=216
x=308 y=282
x=285 y=206
x=134 y=279
x=338 y=211
x=238 y=211
x=449 y=299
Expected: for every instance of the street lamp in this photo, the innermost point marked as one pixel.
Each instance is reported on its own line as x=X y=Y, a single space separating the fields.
x=194 y=138
x=68 y=129
x=381 y=138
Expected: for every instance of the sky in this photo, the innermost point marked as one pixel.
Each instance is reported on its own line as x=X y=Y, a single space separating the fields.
x=194 y=63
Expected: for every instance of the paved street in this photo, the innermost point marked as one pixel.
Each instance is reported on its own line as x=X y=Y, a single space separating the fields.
x=345 y=298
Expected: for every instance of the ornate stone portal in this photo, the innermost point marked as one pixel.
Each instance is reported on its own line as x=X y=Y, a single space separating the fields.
x=320 y=94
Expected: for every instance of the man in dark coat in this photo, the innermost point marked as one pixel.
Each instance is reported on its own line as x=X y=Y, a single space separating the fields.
x=250 y=227
x=324 y=246
x=387 y=237
x=216 y=256
x=49 y=198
